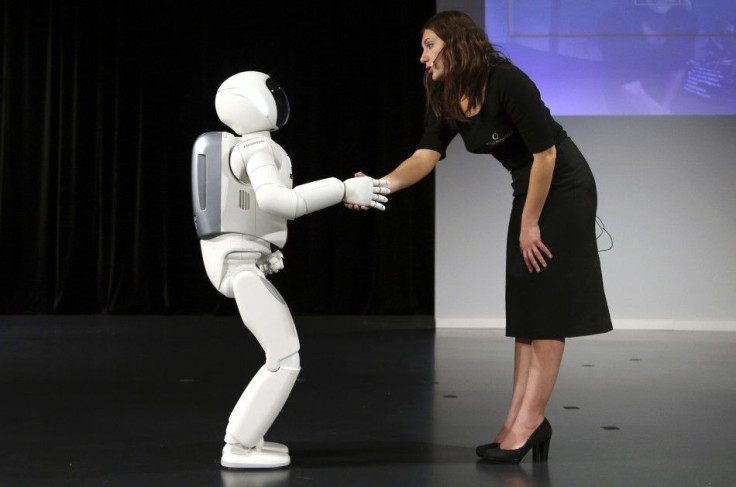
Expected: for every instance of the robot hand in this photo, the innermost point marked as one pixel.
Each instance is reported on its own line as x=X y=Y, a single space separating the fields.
x=272 y=263
x=366 y=191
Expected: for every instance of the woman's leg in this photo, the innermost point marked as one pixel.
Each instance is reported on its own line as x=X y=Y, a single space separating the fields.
x=544 y=365
x=522 y=359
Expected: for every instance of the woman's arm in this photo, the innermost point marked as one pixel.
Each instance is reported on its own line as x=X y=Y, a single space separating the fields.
x=409 y=172
x=530 y=239
x=412 y=170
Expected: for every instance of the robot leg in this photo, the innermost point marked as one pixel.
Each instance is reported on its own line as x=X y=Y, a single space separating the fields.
x=266 y=315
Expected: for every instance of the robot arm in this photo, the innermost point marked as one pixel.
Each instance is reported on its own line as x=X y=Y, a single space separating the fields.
x=320 y=194
x=275 y=198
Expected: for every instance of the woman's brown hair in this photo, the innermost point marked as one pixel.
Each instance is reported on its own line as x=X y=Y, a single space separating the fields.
x=468 y=58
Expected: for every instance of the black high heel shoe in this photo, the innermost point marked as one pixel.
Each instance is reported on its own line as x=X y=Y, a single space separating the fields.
x=480 y=449
x=538 y=442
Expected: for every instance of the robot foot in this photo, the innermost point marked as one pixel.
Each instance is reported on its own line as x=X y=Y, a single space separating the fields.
x=261 y=445
x=238 y=456
x=271 y=446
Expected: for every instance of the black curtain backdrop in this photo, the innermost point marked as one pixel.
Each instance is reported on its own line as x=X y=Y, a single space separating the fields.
x=102 y=101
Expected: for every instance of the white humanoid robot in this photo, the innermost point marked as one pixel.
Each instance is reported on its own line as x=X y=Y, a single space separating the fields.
x=243 y=197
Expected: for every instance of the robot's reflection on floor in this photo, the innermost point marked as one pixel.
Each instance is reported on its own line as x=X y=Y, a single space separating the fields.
x=243 y=197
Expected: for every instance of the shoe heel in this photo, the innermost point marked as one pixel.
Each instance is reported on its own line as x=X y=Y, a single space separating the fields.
x=540 y=452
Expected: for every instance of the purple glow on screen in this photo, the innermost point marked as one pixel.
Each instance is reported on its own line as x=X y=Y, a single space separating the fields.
x=622 y=57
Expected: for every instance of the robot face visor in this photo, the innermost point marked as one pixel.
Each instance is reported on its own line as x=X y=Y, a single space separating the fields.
x=282 y=102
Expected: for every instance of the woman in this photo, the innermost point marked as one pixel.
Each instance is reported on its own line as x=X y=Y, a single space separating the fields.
x=554 y=287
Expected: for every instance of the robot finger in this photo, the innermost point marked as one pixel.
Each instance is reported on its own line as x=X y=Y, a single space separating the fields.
x=380 y=182
x=378 y=190
x=379 y=198
x=378 y=206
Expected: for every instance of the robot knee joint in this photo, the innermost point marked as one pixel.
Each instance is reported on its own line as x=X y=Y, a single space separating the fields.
x=291 y=362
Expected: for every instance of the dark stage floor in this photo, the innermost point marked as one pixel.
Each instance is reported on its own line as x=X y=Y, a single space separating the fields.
x=143 y=401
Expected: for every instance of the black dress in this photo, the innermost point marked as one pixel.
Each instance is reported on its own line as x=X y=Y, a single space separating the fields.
x=567 y=298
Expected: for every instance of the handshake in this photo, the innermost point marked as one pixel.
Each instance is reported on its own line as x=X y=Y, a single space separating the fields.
x=364 y=192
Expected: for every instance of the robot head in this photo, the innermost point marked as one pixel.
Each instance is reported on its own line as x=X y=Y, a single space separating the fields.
x=250 y=102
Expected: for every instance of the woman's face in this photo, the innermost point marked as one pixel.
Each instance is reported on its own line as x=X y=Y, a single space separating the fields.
x=432 y=47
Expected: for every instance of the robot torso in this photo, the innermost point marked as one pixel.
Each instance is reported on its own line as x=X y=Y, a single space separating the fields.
x=224 y=199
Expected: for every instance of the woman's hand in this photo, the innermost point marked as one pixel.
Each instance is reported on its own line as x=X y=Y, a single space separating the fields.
x=532 y=248
x=530 y=240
